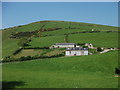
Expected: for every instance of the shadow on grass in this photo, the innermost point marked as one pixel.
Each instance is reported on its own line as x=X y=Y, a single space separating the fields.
x=11 y=84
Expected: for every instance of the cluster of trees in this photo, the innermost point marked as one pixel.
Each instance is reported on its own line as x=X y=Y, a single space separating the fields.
x=23 y=34
x=52 y=29
x=83 y=32
x=81 y=44
x=35 y=33
x=99 y=49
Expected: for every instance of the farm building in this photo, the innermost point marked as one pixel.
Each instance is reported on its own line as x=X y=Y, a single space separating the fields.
x=76 y=51
x=63 y=45
x=89 y=45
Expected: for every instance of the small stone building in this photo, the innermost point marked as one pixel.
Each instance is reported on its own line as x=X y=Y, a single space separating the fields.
x=89 y=45
x=76 y=51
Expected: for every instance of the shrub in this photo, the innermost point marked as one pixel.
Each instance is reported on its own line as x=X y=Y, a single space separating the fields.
x=22 y=58
x=85 y=46
x=99 y=49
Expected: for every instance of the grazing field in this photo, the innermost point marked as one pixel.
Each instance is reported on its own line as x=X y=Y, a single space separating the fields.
x=8 y=45
x=54 y=52
x=46 y=41
x=92 y=71
x=34 y=52
x=101 y=39
x=97 y=39
x=29 y=52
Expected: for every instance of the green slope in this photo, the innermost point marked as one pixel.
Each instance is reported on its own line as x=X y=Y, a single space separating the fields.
x=48 y=28
x=97 y=39
x=93 y=71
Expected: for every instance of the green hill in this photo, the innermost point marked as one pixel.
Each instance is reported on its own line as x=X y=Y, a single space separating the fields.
x=91 y=71
x=47 y=33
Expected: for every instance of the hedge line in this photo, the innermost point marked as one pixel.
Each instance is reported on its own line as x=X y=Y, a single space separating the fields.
x=31 y=58
x=35 y=47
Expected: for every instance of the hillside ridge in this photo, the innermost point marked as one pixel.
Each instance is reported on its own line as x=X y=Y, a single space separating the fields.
x=56 y=22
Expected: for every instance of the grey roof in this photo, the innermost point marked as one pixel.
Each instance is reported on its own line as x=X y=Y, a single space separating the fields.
x=77 y=48
x=65 y=44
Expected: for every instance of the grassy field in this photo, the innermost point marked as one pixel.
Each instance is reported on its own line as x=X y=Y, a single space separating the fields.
x=29 y=52
x=8 y=45
x=54 y=52
x=46 y=41
x=34 y=52
x=101 y=39
x=97 y=39
x=92 y=71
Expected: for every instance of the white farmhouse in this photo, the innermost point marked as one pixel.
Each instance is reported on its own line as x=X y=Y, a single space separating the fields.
x=63 y=45
x=76 y=51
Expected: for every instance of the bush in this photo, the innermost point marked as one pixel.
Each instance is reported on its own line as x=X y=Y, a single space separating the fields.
x=85 y=46
x=22 y=58
x=99 y=49
x=81 y=44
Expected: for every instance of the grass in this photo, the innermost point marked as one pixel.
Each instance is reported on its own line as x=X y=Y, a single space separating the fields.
x=54 y=52
x=29 y=52
x=92 y=71
x=8 y=45
x=33 y=52
x=102 y=39
x=46 y=41
x=97 y=39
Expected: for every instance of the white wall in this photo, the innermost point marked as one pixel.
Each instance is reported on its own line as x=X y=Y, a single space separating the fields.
x=78 y=53
x=85 y=52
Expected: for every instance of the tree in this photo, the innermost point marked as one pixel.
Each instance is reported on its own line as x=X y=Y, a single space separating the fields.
x=99 y=49
x=85 y=46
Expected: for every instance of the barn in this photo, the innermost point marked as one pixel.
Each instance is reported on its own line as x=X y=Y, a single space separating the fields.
x=63 y=45
x=76 y=51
